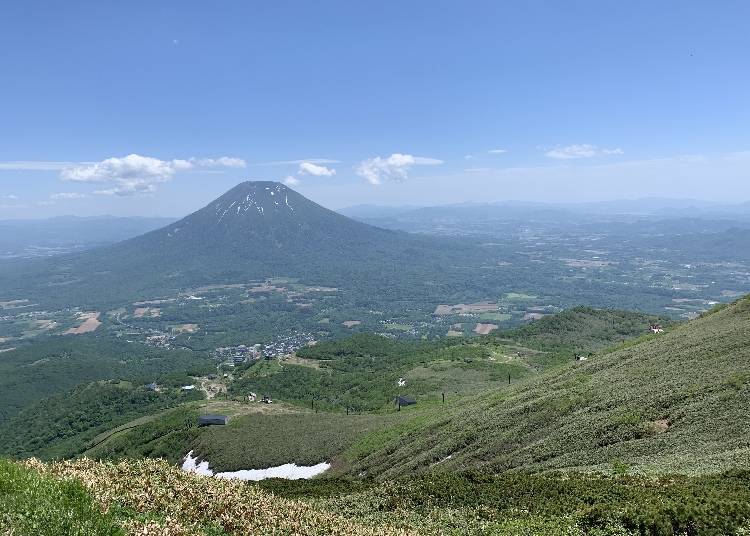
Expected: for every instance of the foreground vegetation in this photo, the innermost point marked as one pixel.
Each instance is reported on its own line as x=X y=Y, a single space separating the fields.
x=153 y=497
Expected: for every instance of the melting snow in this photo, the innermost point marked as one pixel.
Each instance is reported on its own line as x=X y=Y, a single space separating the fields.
x=289 y=471
x=249 y=202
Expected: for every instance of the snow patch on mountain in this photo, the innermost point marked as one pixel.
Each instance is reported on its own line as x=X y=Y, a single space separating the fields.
x=262 y=202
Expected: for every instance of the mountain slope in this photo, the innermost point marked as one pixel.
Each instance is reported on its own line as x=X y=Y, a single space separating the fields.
x=256 y=230
x=673 y=402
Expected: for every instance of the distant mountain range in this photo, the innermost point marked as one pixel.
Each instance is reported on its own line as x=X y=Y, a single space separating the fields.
x=647 y=206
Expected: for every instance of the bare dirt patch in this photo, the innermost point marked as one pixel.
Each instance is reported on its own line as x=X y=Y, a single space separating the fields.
x=659 y=426
x=154 y=302
x=466 y=308
x=296 y=360
x=151 y=312
x=14 y=304
x=260 y=289
x=534 y=316
x=484 y=329
x=234 y=408
x=185 y=328
x=351 y=323
x=453 y=333
x=90 y=323
x=45 y=324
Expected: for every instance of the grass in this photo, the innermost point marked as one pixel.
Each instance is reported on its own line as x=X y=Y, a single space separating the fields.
x=261 y=441
x=496 y=317
x=152 y=497
x=670 y=403
x=517 y=296
x=34 y=505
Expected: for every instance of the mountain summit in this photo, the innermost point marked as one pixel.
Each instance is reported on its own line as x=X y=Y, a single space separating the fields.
x=263 y=214
x=256 y=230
x=261 y=229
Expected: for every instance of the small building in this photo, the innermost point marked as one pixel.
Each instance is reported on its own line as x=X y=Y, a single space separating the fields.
x=404 y=401
x=581 y=357
x=152 y=386
x=187 y=388
x=656 y=328
x=209 y=420
x=266 y=399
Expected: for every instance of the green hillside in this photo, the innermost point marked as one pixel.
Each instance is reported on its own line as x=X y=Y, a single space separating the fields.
x=85 y=498
x=671 y=402
x=621 y=426
x=358 y=375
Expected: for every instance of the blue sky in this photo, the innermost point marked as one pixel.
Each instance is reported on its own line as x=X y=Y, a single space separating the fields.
x=395 y=102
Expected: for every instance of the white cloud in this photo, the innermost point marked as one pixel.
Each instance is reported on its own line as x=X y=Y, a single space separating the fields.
x=497 y=151
x=583 y=150
x=136 y=174
x=32 y=165
x=291 y=180
x=308 y=168
x=301 y=161
x=223 y=161
x=10 y=197
x=468 y=156
x=395 y=167
x=68 y=195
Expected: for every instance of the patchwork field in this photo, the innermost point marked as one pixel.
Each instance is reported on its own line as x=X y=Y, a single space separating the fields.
x=90 y=322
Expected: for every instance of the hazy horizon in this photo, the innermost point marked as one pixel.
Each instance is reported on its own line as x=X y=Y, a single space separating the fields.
x=651 y=204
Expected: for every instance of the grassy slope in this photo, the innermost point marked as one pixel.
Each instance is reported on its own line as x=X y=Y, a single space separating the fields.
x=613 y=408
x=361 y=369
x=151 y=497
x=34 y=505
x=584 y=329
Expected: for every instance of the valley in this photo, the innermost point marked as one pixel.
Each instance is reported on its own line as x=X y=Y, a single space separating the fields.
x=390 y=361
x=465 y=268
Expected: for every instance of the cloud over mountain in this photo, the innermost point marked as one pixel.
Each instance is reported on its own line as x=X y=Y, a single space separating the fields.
x=135 y=174
x=308 y=168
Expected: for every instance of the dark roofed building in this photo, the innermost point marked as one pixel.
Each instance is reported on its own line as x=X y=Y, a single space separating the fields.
x=404 y=401
x=208 y=420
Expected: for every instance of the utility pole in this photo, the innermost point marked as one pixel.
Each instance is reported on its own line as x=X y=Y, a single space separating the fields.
x=509 y=378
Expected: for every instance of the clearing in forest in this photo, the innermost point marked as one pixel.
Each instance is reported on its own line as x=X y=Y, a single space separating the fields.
x=185 y=328
x=463 y=308
x=484 y=329
x=90 y=323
